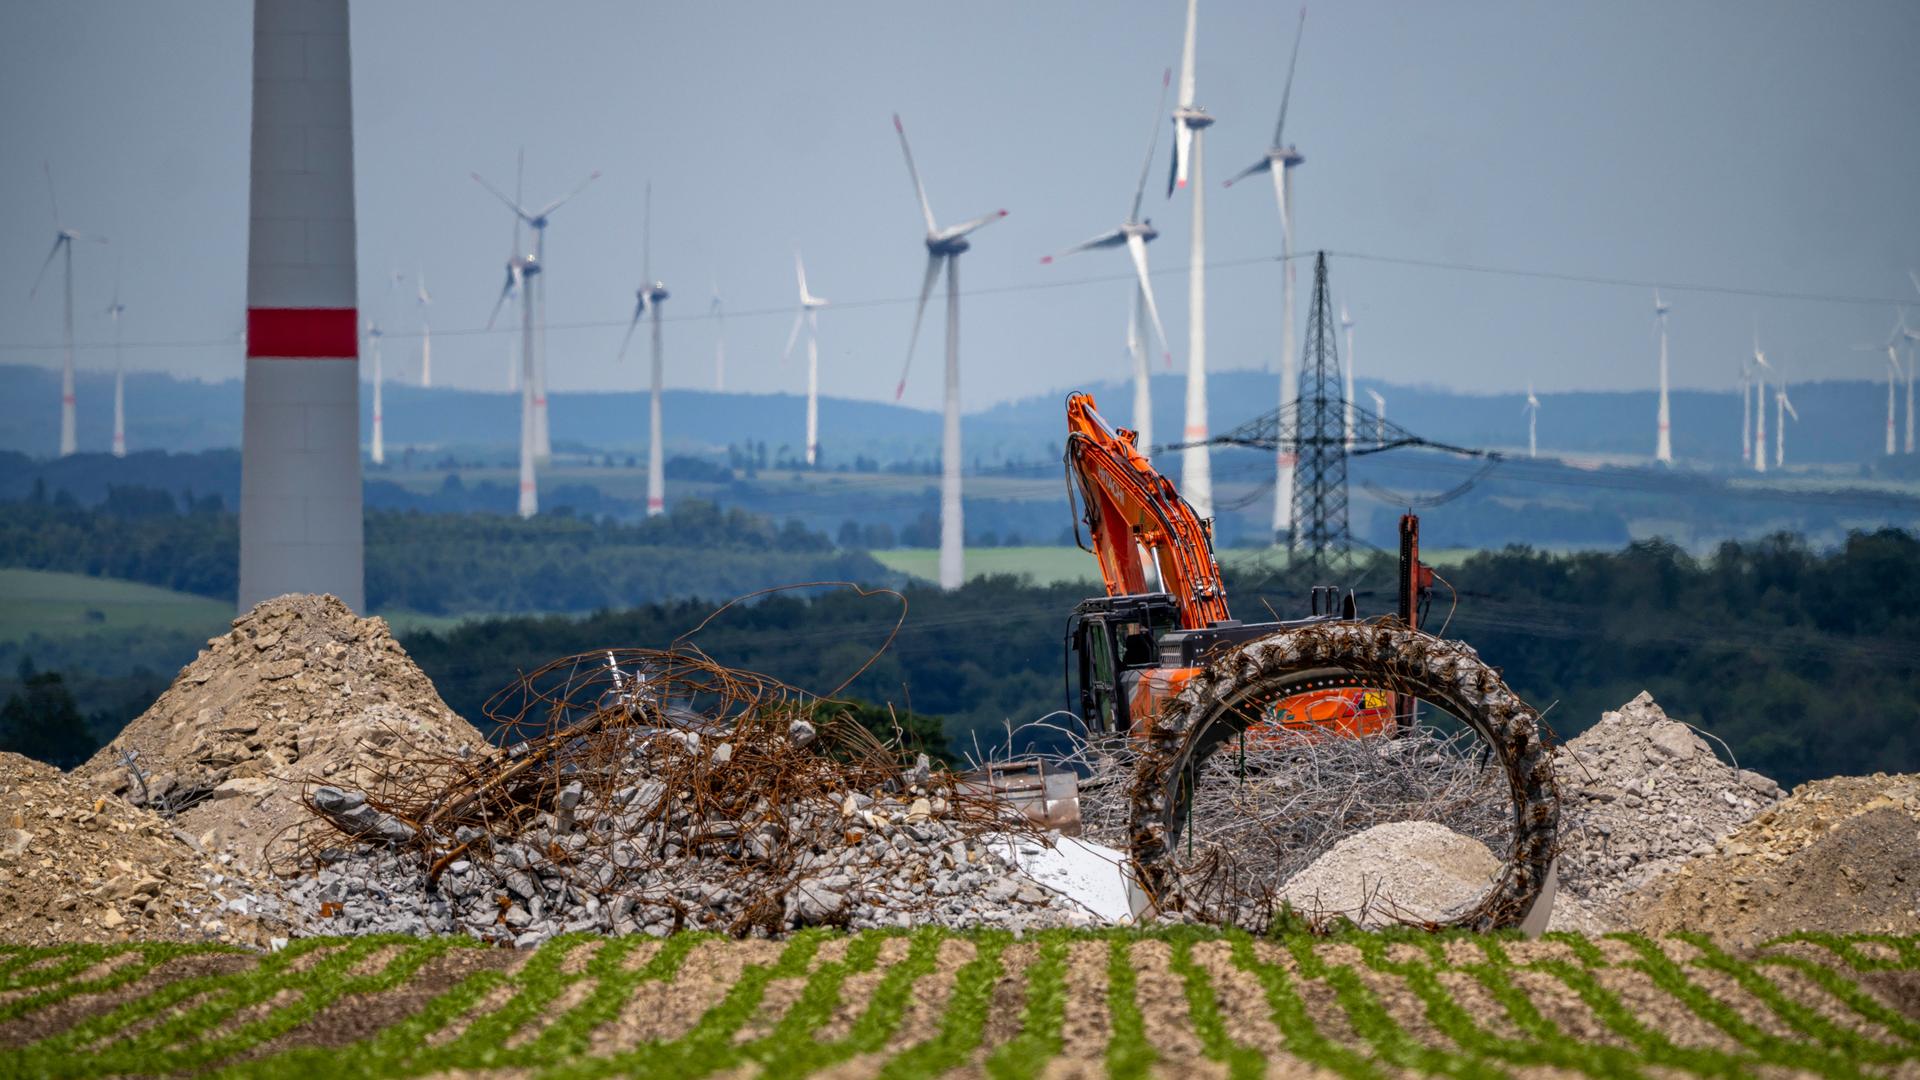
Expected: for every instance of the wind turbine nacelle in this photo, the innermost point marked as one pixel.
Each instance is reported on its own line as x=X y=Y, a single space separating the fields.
x=1194 y=117
x=1285 y=156
x=657 y=292
x=947 y=246
x=1144 y=230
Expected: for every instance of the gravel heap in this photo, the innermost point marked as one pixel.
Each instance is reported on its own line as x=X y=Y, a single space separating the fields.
x=1641 y=795
x=867 y=859
x=1839 y=855
x=76 y=865
x=301 y=689
x=1393 y=873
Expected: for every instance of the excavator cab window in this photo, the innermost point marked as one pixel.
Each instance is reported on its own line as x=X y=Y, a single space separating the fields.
x=1099 y=688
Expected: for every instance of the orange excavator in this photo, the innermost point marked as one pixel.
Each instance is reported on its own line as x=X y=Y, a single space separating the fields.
x=1165 y=608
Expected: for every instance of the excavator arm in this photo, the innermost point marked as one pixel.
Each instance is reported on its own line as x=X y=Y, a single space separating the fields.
x=1134 y=515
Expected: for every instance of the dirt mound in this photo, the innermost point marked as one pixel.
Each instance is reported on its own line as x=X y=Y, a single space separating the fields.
x=1839 y=855
x=300 y=690
x=1400 y=871
x=76 y=865
x=1641 y=795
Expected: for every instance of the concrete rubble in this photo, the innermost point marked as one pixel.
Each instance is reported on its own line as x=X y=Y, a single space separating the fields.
x=1641 y=795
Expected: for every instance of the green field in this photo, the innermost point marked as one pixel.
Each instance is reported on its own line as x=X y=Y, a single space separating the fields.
x=907 y=1004
x=57 y=605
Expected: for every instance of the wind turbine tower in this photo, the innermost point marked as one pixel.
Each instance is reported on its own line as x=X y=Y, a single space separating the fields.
x=1280 y=161
x=1783 y=408
x=377 y=451
x=1346 y=324
x=1912 y=338
x=809 y=315
x=1379 y=418
x=719 y=315
x=1663 y=443
x=422 y=297
x=944 y=248
x=1892 y=348
x=1746 y=409
x=537 y=369
x=648 y=298
x=63 y=239
x=1533 y=420
x=114 y=311
x=300 y=502
x=1190 y=123
x=1760 y=369
x=1134 y=234
x=520 y=268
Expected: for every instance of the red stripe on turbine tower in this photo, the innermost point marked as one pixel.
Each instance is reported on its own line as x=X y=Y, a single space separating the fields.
x=303 y=333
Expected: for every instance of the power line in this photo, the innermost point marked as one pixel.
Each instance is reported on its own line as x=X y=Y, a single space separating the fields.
x=784 y=310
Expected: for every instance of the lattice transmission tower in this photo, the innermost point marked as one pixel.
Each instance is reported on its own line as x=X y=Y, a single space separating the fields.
x=1320 y=534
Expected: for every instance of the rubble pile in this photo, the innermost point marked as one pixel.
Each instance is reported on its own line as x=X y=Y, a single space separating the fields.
x=300 y=689
x=655 y=791
x=1839 y=855
x=1640 y=796
x=77 y=865
x=1402 y=871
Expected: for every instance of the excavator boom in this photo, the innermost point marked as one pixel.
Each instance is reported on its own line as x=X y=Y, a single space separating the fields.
x=1137 y=520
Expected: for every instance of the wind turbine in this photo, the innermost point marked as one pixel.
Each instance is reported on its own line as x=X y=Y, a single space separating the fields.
x=809 y=314
x=1533 y=419
x=1898 y=332
x=648 y=297
x=520 y=268
x=1379 y=418
x=1663 y=443
x=1346 y=323
x=944 y=248
x=1760 y=369
x=1134 y=234
x=1190 y=123
x=538 y=220
x=1783 y=408
x=424 y=298
x=114 y=311
x=1280 y=161
x=719 y=315
x=1912 y=338
x=63 y=239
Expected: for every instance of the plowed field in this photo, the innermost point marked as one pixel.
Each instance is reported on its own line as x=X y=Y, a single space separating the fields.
x=1175 y=1003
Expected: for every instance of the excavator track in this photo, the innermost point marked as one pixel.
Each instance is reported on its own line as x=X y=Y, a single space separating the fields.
x=1232 y=693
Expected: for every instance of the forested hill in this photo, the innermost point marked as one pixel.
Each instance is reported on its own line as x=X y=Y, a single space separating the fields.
x=1807 y=663
x=440 y=563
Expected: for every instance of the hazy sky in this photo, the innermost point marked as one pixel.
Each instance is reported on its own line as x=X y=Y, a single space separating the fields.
x=1763 y=145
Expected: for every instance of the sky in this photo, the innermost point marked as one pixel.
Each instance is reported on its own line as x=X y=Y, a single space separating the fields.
x=1746 y=145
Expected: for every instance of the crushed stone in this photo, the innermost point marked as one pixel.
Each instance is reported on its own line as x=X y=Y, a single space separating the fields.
x=301 y=689
x=1392 y=873
x=1641 y=796
x=1840 y=855
x=79 y=865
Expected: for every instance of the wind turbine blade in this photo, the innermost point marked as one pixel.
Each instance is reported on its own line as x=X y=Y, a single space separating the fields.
x=1177 y=164
x=564 y=199
x=1257 y=167
x=519 y=192
x=1915 y=278
x=1137 y=247
x=638 y=310
x=1299 y=31
x=506 y=290
x=53 y=203
x=511 y=204
x=646 y=241
x=966 y=227
x=793 y=336
x=94 y=237
x=1153 y=143
x=919 y=312
x=800 y=272
x=55 y=250
x=1105 y=239
x=918 y=188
